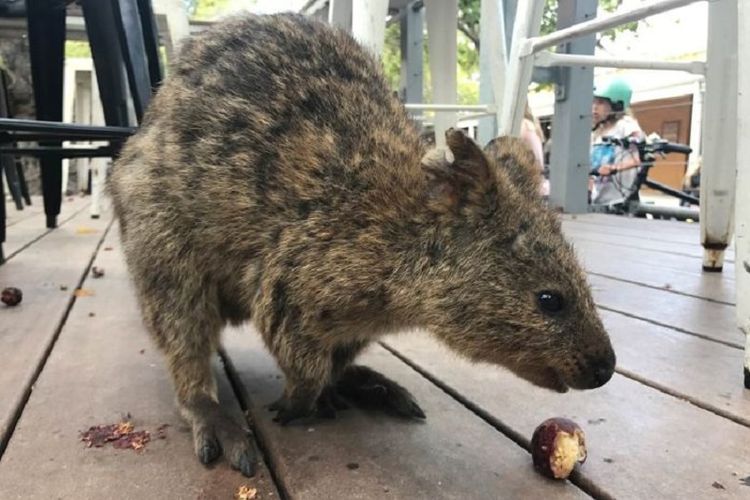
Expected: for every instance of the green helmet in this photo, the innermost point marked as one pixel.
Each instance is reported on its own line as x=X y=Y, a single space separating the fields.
x=618 y=92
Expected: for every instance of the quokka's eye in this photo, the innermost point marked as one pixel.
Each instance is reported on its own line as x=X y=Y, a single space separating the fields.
x=550 y=302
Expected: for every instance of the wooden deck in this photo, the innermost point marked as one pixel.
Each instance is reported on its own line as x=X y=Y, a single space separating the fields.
x=674 y=422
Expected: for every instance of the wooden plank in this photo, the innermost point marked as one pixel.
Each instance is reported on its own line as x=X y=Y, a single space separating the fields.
x=643 y=230
x=675 y=273
x=642 y=443
x=651 y=225
x=14 y=216
x=102 y=368
x=47 y=273
x=643 y=241
x=705 y=372
x=27 y=230
x=454 y=454
x=688 y=314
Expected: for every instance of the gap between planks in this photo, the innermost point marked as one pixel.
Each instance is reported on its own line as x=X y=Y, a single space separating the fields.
x=5 y=439
x=680 y=395
x=45 y=232
x=243 y=399
x=585 y=484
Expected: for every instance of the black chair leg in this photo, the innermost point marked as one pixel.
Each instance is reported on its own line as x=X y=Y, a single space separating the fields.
x=2 y=215
x=130 y=33
x=108 y=62
x=46 y=31
x=22 y=181
x=11 y=174
x=151 y=41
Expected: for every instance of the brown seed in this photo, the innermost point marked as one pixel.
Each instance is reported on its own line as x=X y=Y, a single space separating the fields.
x=558 y=444
x=11 y=296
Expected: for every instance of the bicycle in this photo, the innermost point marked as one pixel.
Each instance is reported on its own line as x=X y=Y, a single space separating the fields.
x=630 y=204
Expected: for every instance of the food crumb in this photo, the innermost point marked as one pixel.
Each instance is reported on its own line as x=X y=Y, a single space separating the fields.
x=122 y=436
x=718 y=485
x=352 y=466
x=246 y=493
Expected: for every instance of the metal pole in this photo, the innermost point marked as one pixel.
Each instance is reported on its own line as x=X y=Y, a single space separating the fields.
x=719 y=175
x=742 y=187
x=553 y=59
x=441 y=31
x=450 y=107
x=569 y=163
x=412 y=25
x=493 y=63
x=527 y=23
x=604 y=23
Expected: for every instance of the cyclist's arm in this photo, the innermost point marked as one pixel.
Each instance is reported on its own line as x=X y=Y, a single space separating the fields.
x=627 y=161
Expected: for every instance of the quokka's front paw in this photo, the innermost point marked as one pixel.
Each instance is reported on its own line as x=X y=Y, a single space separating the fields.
x=299 y=408
x=214 y=433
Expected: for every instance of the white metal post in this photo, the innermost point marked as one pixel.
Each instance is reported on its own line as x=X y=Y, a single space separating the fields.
x=340 y=14
x=493 y=62
x=368 y=23
x=83 y=105
x=696 y=125
x=178 y=25
x=742 y=209
x=69 y=88
x=602 y=23
x=719 y=171
x=441 y=36
x=98 y=166
x=521 y=63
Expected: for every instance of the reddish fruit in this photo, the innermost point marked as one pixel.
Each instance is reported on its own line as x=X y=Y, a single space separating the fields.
x=11 y=296
x=558 y=444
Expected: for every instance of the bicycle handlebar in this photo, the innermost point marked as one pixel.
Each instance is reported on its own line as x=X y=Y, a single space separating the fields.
x=646 y=147
x=654 y=144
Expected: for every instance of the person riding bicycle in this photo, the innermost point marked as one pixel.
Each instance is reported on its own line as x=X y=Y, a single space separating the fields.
x=613 y=168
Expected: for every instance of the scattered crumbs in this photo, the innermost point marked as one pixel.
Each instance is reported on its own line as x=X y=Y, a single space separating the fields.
x=245 y=493
x=352 y=466
x=608 y=460
x=718 y=485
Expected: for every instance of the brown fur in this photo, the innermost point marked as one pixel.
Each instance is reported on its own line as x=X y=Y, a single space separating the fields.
x=276 y=179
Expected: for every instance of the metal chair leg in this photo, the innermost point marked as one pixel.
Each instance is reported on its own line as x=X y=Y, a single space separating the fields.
x=22 y=181
x=130 y=33
x=46 y=29
x=11 y=174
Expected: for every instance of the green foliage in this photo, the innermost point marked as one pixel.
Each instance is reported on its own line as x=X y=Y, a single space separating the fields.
x=468 y=45
x=206 y=9
x=75 y=48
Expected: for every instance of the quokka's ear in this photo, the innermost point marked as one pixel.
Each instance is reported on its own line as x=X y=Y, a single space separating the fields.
x=512 y=155
x=458 y=177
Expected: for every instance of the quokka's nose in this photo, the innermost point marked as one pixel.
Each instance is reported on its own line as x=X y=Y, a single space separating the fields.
x=601 y=370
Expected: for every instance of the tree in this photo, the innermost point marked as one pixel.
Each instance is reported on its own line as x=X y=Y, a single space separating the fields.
x=469 y=17
x=469 y=46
